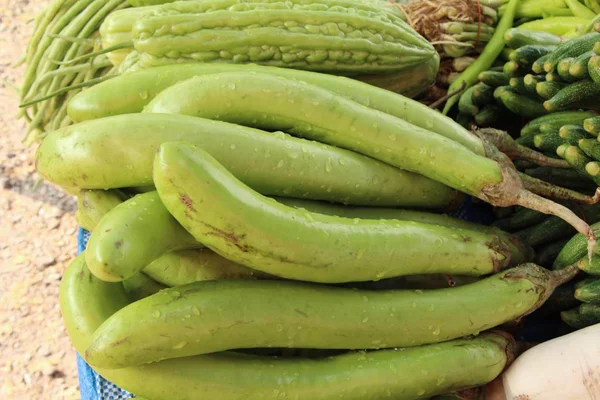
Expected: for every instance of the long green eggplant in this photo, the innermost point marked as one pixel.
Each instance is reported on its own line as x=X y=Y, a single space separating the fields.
x=86 y=302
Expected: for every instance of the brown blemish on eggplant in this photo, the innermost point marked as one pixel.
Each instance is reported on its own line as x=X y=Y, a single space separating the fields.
x=118 y=244
x=187 y=201
x=301 y=312
x=120 y=342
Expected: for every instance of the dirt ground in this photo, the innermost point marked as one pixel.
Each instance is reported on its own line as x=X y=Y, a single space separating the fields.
x=37 y=240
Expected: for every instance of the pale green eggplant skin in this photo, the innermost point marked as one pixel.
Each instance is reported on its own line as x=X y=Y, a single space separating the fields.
x=274 y=103
x=195 y=265
x=132 y=235
x=86 y=302
x=141 y=286
x=117 y=152
x=519 y=251
x=130 y=93
x=213 y=316
x=256 y=231
x=92 y=205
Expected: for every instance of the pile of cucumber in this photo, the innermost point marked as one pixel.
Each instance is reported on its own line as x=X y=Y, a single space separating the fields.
x=543 y=75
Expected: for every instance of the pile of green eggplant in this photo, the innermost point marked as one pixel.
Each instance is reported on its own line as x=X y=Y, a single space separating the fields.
x=268 y=207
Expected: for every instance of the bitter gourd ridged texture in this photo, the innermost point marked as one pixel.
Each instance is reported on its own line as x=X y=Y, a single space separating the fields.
x=338 y=36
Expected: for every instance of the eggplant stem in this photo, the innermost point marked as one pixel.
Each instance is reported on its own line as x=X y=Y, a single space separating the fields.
x=546 y=189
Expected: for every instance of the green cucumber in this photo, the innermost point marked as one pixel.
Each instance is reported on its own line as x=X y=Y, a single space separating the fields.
x=589 y=291
x=520 y=219
x=571 y=48
x=560 y=150
x=573 y=132
x=594 y=68
x=593 y=168
x=574 y=250
x=513 y=68
x=571 y=136
x=591 y=311
x=557 y=119
x=252 y=230
x=591 y=147
x=548 y=89
x=576 y=158
x=590 y=267
x=573 y=96
x=579 y=67
x=519 y=37
x=521 y=104
x=547 y=254
x=564 y=177
x=465 y=104
x=592 y=126
x=493 y=78
x=574 y=319
x=329 y=317
x=563 y=68
x=482 y=94
x=526 y=55
x=553 y=76
x=527 y=140
x=530 y=81
x=489 y=115
x=538 y=65
x=548 y=142
x=545 y=232
x=518 y=84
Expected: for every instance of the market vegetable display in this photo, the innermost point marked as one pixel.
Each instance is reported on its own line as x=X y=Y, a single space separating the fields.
x=267 y=204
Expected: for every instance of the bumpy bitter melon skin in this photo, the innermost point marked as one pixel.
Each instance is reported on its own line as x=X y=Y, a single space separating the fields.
x=338 y=36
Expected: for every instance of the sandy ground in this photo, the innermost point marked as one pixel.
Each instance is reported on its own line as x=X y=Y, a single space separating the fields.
x=37 y=240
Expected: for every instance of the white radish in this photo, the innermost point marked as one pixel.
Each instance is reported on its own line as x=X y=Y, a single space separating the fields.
x=565 y=368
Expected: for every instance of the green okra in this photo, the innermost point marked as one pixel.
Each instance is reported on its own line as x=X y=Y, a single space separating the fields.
x=92 y=205
x=589 y=291
x=262 y=234
x=132 y=235
x=97 y=155
x=141 y=286
x=132 y=92
x=87 y=302
x=135 y=335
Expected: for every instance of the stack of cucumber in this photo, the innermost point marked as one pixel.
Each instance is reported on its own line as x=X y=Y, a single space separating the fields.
x=543 y=75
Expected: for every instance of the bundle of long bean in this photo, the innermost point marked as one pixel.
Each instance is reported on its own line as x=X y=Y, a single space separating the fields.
x=65 y=30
